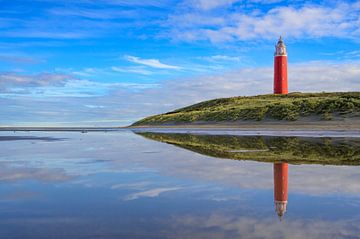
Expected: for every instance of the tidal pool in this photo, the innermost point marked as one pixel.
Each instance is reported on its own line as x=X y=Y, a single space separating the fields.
x=124 y=184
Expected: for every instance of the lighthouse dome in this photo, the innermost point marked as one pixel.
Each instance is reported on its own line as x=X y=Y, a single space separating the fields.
x=280 y=48
x=280 y=208
x=280 y=40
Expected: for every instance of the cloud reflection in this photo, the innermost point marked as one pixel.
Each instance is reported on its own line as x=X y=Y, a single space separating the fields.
x=9 y=173
x=150 y=193
x=218 y=225
x=122 y=153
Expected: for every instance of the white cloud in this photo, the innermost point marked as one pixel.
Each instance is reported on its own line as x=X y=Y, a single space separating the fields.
x=33 y=33
x=155 y=63
x=147 y=3
x=136 y=70
x=100 y=14
x=84 y=73
x=8 y=80
x=78 y=21
x=61 y=85
x=15 y=58
x=308 y=21
x=222 y=58
x=210 y=4
x=95 y=106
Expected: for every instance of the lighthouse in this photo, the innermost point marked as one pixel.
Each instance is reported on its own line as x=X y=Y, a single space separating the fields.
x=280 y=68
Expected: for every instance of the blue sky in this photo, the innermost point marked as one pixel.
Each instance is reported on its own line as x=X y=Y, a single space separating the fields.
x=111 y=62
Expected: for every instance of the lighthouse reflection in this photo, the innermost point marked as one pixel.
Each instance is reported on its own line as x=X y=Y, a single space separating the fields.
x=280 y=188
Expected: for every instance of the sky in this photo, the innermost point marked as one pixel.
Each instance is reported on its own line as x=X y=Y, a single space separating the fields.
x=112 y=62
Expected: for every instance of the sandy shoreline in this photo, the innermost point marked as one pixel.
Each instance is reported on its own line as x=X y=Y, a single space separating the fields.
x=350 y=128
x=253 y=132
x=326 y=125
x=267 y=125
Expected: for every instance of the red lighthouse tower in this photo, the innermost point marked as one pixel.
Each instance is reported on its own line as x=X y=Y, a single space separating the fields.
x=280 y=69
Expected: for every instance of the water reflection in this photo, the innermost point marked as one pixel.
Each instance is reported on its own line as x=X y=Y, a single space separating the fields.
x=280 y=188
x=122 y=185
x=294 y=150
x=279 y=150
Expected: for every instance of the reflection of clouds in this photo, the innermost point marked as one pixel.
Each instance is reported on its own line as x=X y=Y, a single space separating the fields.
x=24 y=173
x=134 y=185
x=18 y=195
x=318 y=179
x=126 y=153
x=150 y=193
x=230 y=226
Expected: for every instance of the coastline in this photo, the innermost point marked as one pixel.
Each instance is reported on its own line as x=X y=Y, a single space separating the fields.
x=349 y=124
x=308 y=128
x=282 y=129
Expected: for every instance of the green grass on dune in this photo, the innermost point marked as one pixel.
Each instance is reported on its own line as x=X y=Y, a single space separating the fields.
x=277 y=107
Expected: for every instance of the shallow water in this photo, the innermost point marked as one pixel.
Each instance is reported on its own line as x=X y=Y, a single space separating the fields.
x=122 y=185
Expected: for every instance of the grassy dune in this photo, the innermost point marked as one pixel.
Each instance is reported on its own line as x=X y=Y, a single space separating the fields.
x=291 y=107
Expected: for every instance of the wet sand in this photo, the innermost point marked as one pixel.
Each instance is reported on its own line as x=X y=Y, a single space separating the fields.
x=256 y=132
x=334 y=128
x=350 y=124
x=345 y=128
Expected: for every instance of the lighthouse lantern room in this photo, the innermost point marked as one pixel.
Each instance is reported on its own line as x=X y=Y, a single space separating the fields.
x=280 y=68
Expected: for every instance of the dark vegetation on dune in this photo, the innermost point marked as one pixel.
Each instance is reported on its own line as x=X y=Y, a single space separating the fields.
x=294 y=150
x=290 y=107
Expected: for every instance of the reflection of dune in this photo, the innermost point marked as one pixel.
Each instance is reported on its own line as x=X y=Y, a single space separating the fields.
x=296 y=150
x=312 y=179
